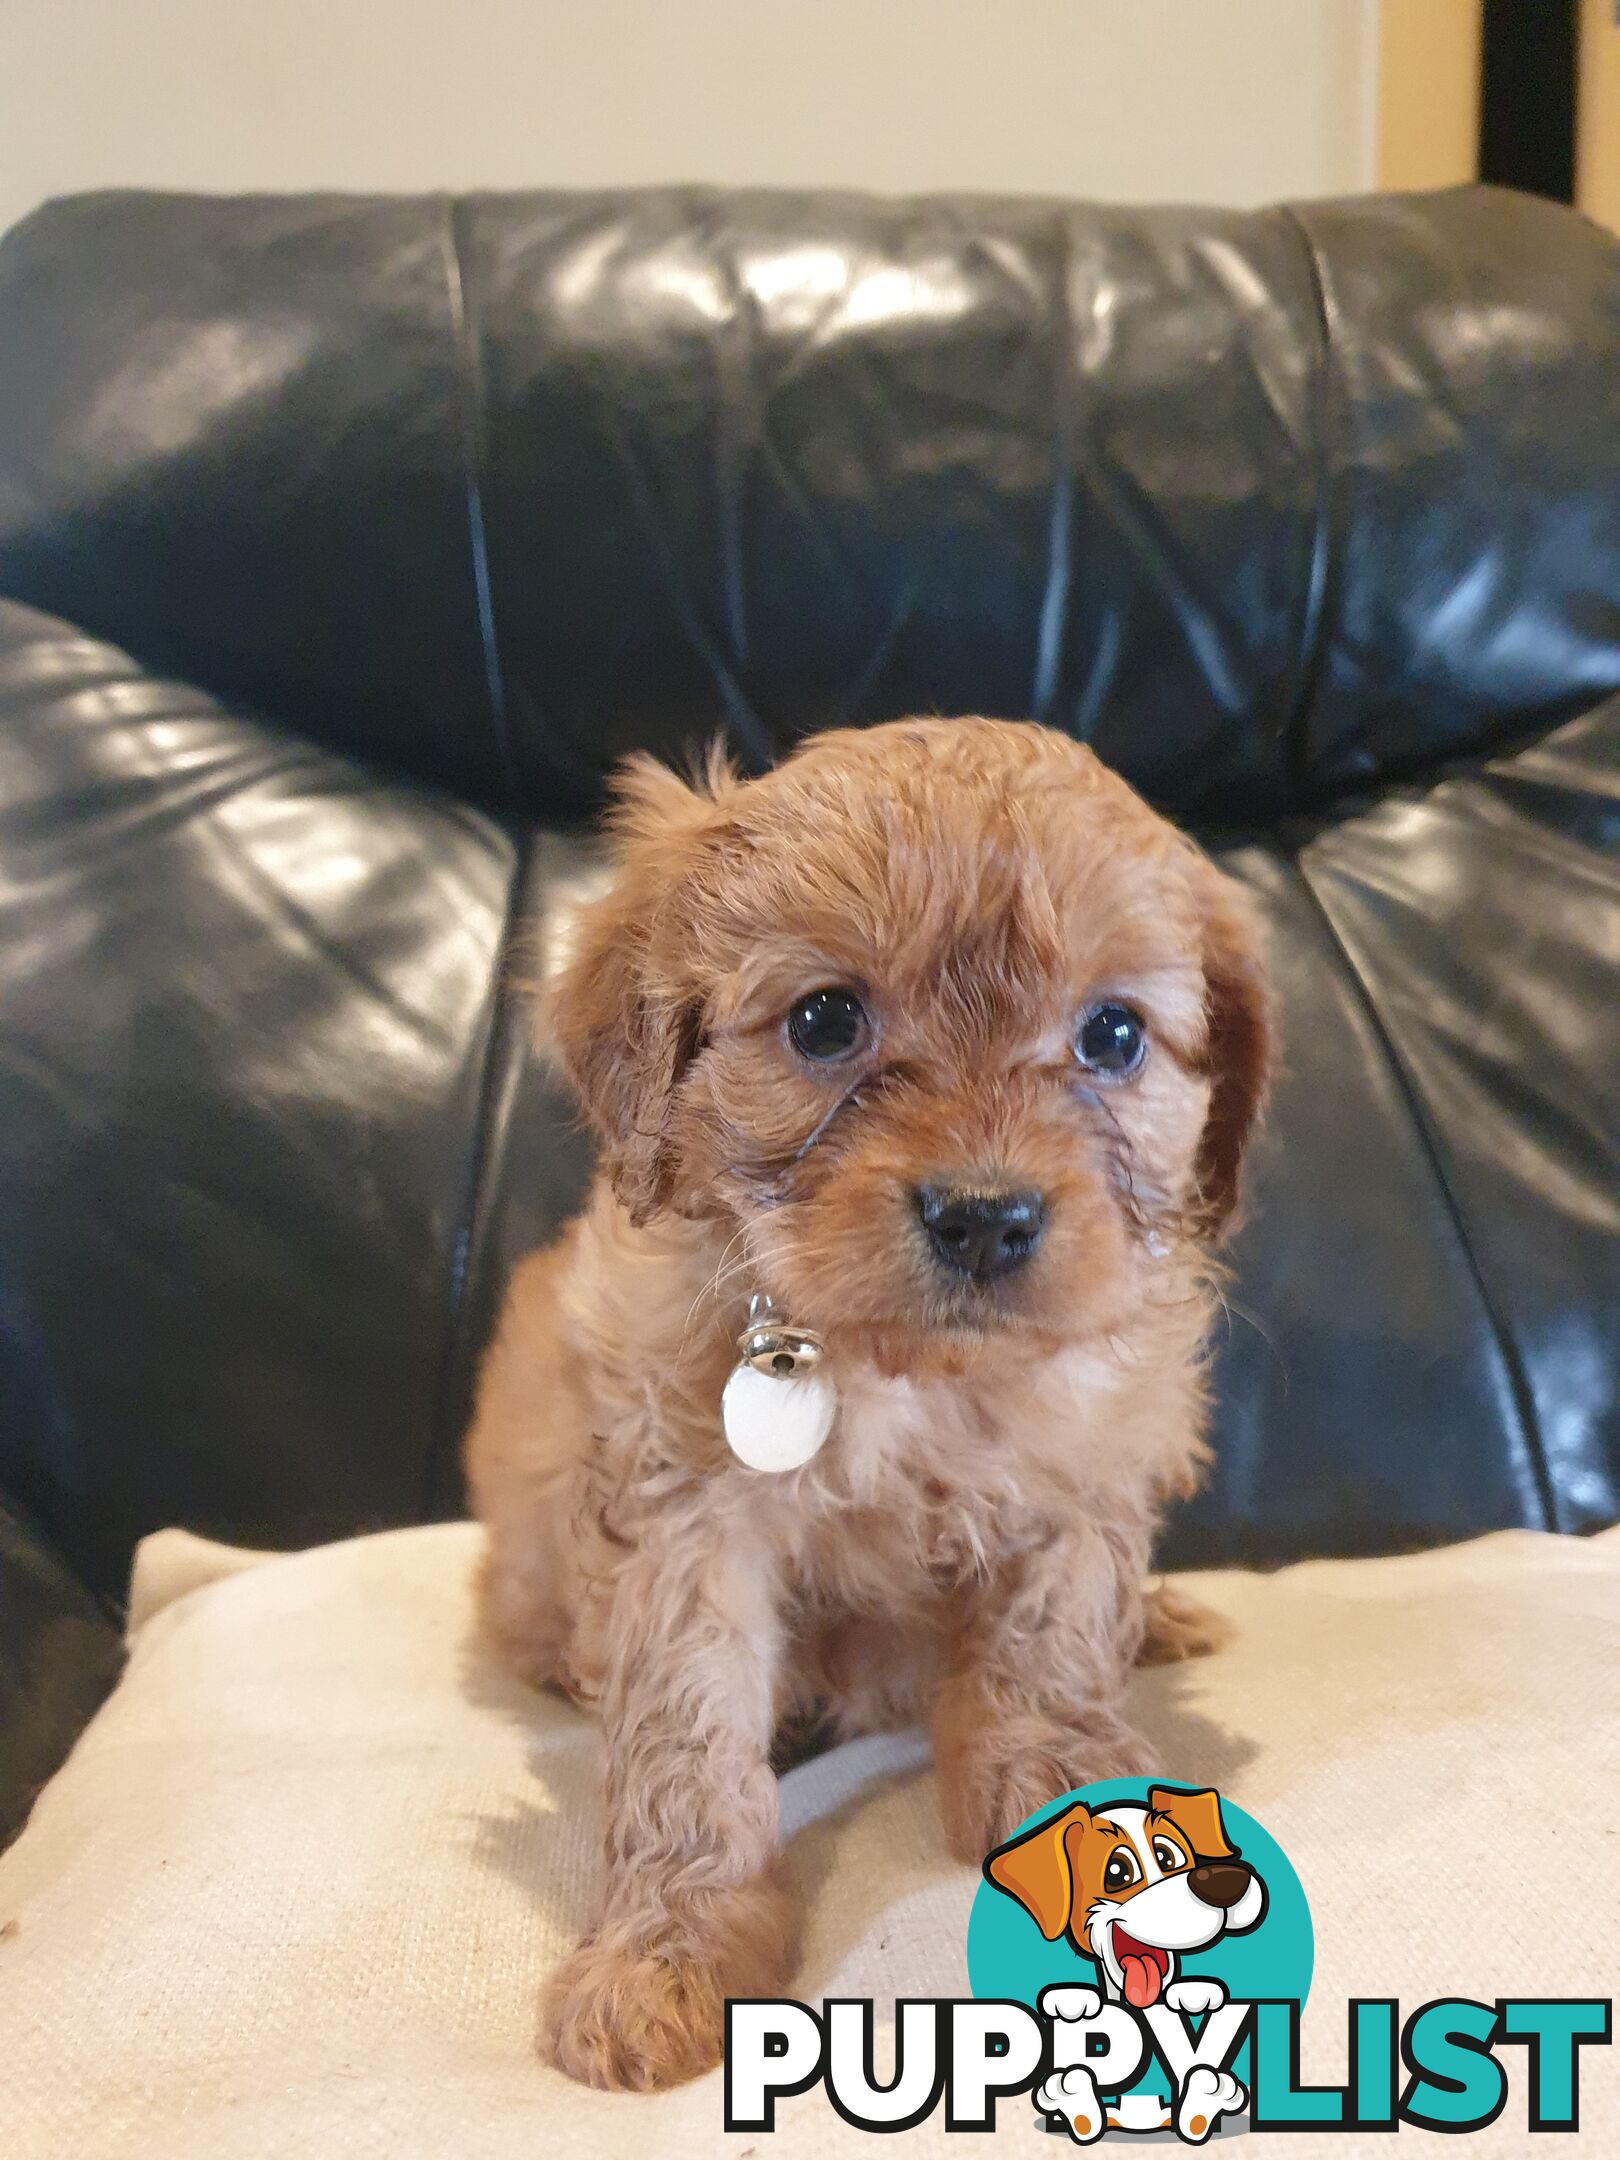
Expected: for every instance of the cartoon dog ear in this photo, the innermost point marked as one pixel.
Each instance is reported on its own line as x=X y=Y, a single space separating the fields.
x=1240 y=1053
x=1035 y=1870
x=623 y=1028
x=1197 y=1815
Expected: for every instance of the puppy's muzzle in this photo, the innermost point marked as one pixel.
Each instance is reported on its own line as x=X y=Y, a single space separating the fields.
x=1220 y=1883
x=983 y=1232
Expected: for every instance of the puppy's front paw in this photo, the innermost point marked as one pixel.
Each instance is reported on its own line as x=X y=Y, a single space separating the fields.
x=989 y=1785
x=629 y=2020
x=642 y=2004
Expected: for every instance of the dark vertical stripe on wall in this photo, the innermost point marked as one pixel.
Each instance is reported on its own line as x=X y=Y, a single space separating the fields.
x=1527 y=97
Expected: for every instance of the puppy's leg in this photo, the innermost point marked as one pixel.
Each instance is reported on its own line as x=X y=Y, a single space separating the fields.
x=529 y=1425
x=695 y=1907
x=520 y=1610
x=1176 y=1626
x=1031 y=1702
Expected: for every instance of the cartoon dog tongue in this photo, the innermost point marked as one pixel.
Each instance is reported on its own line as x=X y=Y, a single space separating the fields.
x=1141 y=1970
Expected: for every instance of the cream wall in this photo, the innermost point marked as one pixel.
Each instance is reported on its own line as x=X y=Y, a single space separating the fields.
x=1427 y=99
x=1597 y=150
x=1215 y=100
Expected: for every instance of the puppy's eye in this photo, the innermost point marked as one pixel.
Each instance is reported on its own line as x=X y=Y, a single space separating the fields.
x=1110 y=1040
x=1121 y=1870
x=1168 y=1856
x=828 y=1025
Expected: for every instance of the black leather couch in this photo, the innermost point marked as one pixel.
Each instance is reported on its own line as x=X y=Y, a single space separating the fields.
x=345 y=542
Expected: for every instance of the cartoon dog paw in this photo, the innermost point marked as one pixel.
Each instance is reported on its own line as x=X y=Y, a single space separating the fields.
x=1070 y=2003
x=1072 y=2094
x=1207 y=2096
x=1194 y=1997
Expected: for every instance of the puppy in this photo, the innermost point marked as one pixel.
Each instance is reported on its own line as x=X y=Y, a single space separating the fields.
x=940 y=1039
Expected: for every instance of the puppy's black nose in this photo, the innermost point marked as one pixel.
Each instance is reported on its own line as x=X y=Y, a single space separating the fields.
x=979 y=1231
x=1220 y=1883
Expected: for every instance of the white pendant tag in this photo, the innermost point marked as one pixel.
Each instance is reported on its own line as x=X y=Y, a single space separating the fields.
x=774 y=1423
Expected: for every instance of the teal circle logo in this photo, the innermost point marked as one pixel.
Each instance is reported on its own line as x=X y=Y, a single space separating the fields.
x=1142 y=1896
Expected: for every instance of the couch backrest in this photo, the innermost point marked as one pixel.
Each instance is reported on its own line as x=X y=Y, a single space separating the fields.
x=1268 y=506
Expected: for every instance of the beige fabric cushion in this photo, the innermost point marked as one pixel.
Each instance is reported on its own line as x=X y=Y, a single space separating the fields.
x=295 y=1889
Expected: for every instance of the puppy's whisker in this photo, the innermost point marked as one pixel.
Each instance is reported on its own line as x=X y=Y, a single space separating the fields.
x=848 y=1100
x=818 y=1129
x=1231 y=1310
x=713 y=1288
x=725 y=1274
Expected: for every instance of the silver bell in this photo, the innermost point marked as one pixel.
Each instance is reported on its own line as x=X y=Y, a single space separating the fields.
x=775 y=1349
x=777 y=1409
x=784 y=1353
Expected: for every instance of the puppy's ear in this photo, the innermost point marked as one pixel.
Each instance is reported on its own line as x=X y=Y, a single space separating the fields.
x=1241 y=1045
x=623 y=1025
x=1197 y=1815
x=1035 y=1870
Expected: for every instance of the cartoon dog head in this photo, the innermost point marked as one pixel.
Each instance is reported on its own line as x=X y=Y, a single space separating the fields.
x=1133 y=1885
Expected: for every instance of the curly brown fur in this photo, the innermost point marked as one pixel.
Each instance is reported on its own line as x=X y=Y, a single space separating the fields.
x=973 y=1540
